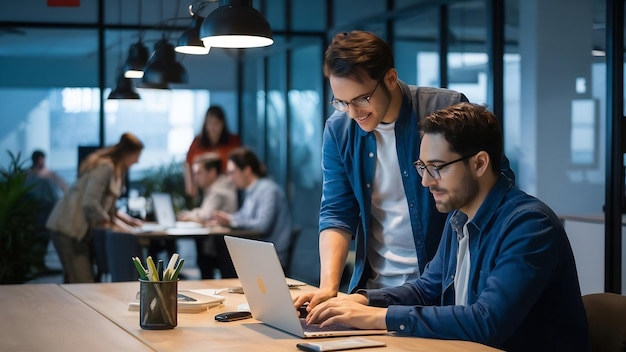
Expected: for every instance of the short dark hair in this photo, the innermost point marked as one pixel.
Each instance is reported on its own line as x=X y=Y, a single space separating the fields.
x=213 y=163
x=243 y=157
x=37 y=155
x=358 y=53
x=468 y=128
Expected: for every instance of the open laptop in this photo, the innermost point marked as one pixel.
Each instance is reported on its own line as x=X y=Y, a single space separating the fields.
x=166 y=218
x=263 y=282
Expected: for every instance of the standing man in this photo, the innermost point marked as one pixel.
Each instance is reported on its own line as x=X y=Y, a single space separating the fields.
x=504 y=274
x=218 y=193
x=371 y=192
x=47 y=187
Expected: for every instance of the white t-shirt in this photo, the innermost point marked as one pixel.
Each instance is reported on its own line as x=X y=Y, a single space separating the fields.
x=391 y=253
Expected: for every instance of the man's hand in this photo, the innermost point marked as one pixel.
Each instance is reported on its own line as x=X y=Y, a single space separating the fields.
x=314 y=298
x=184 y=216
x=351 y=310
x=221 y=217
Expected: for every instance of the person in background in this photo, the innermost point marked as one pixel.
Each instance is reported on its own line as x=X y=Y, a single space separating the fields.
x=216 y=138
x=504 y=274
x=40 y=170
x=265 y=208
x=47 y=187
x=218 y=193
x=89 y=204
x=369 y=191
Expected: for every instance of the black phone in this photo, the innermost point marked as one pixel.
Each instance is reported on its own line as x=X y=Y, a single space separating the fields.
x=232 y=316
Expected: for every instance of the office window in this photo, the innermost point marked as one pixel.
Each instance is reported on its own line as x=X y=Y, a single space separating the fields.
x=58 y=120
x=583 y=133
x=467 y=58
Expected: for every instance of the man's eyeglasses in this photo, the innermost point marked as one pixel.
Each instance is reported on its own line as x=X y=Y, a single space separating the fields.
x=434 y=170
x=360 y=102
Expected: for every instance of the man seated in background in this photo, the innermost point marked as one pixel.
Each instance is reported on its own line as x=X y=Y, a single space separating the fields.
x=218 y=193
x=265 y=208
x=504 y=274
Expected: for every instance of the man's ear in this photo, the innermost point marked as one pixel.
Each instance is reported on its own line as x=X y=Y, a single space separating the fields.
x=482 y=162
x=391 y=78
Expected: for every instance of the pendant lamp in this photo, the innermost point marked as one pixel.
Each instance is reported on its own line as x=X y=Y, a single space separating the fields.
x=162 y=67
x=236 y=24
x=189 y=42
x=137 y=58
x=123 y=89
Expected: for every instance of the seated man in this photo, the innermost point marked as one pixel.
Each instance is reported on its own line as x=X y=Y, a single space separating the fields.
x=265 y=208
x=504 y=274
x=218 y=193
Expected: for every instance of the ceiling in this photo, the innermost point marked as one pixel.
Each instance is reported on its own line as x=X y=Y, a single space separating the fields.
x=36 y=40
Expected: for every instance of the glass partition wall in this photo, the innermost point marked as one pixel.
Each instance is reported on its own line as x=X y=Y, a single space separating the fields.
x=276 y=99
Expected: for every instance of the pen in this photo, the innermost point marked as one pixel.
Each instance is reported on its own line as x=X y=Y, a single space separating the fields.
x=160 y=269
x=152 y=270
x=140 y=268
x=171 y=265
x=178 y=267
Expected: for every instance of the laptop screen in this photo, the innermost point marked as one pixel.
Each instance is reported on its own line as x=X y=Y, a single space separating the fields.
x=163 y=209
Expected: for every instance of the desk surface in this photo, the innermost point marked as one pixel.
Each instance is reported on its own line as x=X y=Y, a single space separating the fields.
x=44 y=317
x=200 y=331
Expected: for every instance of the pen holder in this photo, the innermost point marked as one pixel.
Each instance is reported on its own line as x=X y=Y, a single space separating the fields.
x=158 y=304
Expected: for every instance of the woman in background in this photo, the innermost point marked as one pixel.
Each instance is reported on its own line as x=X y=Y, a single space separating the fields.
x=89 y=204
x=216 y=138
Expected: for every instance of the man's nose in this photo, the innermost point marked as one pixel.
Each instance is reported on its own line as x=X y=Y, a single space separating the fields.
x=427 y=179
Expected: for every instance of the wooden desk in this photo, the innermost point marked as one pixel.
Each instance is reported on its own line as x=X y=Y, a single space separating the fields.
x=200 y=331
x=44 y=317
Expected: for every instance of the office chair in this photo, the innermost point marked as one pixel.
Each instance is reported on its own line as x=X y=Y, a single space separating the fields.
x=100 y=254
x=606 y=316
x=120 y=248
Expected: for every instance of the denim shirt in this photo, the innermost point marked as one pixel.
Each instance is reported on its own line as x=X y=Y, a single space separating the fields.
x=348 y=162
x=523 y=292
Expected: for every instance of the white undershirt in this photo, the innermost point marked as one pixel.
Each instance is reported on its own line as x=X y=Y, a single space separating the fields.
x=391 y=252
x=462 y=270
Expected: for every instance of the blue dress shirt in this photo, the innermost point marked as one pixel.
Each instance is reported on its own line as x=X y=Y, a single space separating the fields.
x=523 y=292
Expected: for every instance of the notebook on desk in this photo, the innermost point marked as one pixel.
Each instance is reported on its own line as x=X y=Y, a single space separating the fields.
x=163 y=208
x=263 y=282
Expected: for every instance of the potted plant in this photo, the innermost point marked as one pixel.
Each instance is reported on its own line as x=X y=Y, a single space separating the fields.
x=167 y=178
x=21 y=250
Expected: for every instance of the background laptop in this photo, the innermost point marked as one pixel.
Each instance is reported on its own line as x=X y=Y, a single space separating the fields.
x=263 y=282
x=163 y=208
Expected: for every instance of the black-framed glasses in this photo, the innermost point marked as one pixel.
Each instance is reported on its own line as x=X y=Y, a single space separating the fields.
x=434 y=170
x=360 y=102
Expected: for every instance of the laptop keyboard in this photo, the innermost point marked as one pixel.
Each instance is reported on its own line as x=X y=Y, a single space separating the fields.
x=317 y=327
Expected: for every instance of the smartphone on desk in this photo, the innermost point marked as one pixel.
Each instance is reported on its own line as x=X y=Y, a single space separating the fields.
x=339 y=344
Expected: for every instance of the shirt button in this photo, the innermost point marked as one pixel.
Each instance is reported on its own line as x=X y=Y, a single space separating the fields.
x=368 y=185
x=401 y=327
x=371 y=155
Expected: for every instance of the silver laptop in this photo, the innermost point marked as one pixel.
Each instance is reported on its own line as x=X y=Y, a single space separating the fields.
x=263 y=282
x=163 y=208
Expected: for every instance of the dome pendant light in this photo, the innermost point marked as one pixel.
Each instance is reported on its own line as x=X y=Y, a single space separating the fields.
x=137 y=58
x=236 y=24
x=189 y=42
x=162 y=68
x=124 y=89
